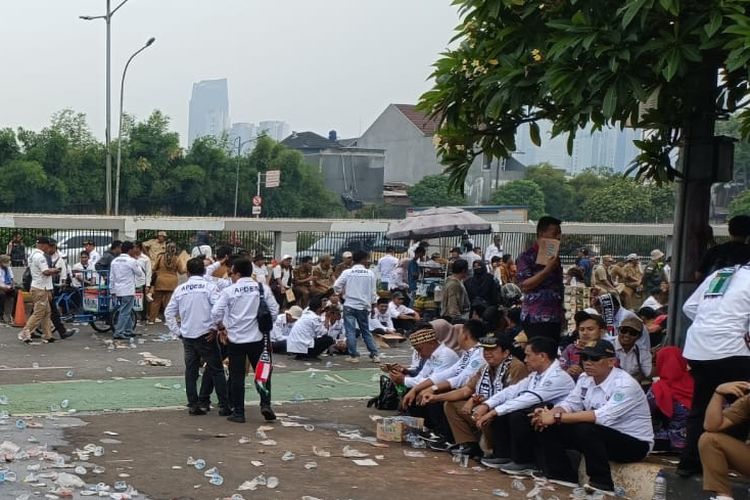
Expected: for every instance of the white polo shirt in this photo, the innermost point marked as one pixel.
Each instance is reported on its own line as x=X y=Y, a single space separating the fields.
x=442 y=358
x=632 y=361
x=551 y=386
x=386 y=265
x=237 y=308
x=380 y=321
x=720 y=323
x=281 y=328
x=396 y=311
x=304 y=332
x=37 y=266
x=618 y=403
x=191 y=302
x=123 y=274
x=359 y=286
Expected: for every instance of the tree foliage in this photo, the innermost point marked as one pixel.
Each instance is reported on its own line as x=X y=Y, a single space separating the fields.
x=740 y=205
x=524 y=193
x=622 y=199
x=582 y=62
x=61 y=169
x=435 y=191
x=558 y=195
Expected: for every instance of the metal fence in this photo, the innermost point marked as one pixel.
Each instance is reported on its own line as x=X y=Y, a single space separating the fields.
x=318 y=243
x=250 y=242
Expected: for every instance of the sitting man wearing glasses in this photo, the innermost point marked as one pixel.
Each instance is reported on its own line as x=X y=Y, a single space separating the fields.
x=606 y=417
x=628 y=352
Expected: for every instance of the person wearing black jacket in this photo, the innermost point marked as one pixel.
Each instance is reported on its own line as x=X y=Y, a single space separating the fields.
x=481 y=285
x=114 y=251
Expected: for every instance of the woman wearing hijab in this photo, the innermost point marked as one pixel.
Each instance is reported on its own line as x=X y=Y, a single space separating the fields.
x=446 y=333
x=670 y=398
x=166 y=269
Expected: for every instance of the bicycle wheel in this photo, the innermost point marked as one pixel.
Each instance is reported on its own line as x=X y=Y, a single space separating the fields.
x=102 y=324
x=133 y=318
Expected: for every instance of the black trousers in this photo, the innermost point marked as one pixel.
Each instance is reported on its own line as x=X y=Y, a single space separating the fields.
x=239 y=354
x=197 y=351
x=708 y=375
x=55 y=317
x=321 y=344
x=434 y=418
x=597 y=443
x=513 y=437
x=278 y=346
x=5 y=297
x=550 y=330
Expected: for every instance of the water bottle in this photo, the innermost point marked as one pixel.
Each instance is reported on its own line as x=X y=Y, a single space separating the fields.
x=660 y=488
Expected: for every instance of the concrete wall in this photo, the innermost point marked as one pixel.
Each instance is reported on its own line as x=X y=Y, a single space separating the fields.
x=359 y=173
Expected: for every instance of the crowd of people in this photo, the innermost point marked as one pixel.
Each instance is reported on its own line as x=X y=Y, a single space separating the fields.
x=498 y=375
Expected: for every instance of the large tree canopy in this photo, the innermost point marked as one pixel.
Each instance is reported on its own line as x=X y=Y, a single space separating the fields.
x=579 y=62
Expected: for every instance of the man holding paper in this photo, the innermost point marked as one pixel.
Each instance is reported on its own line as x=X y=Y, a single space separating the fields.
x=540 y=277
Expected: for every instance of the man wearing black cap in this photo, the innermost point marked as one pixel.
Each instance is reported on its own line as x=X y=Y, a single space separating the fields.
x=41 y=292
x=606 y=417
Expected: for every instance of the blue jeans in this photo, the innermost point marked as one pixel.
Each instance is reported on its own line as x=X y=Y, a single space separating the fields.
x=124 y=325
x=352 y=319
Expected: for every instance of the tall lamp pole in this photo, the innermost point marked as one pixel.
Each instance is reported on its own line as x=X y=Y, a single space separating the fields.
x=240 y=143
x=107 y=131
x=119 y=128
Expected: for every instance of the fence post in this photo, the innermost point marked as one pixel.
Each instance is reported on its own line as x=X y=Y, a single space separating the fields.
x=284 y=242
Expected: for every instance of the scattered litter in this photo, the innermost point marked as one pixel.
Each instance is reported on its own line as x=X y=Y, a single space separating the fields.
x=500 y=493
x=176 y=467
x=80 y=470
x=350 y=452
x=375 y=418
x=266 y=428
x=221 y=435
x=3 y=399
x=244 y=440
x=66 y=480
x=98 y=469
x=123 y=475
x=123 y=360
x=365 y=462
x=152 y=360
x=414 y=454
x=272 y=482
x=69 y=374
x=216 y=479
x=321 y=453
x=109 y=441
x=108 y=369
x=253 y=484
x=311 y=465
x=259 y=434
x=198 y=463
x=518 y=485
x=309 y=427
x=268 y=442
x=287 y=423
x=110 y=433
x=288 y=456
x=256 y=463
x=307 y=497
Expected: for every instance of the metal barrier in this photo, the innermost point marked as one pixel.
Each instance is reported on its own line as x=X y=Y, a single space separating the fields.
x=250 y=242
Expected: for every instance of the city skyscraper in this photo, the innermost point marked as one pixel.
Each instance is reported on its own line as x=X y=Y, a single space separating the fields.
x=245 y=131
x=209 y=109
x=276 y=130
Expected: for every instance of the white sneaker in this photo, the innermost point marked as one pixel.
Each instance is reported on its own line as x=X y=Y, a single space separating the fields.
x=158 y=320
x=375 y=359
x=149 y=322
x=351 y=359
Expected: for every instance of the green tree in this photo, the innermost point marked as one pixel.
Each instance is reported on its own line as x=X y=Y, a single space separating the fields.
x=740 y=205
x=435 y=191
x=558 y=196
x=522 y=193
x=624 y=200
x=22 y=184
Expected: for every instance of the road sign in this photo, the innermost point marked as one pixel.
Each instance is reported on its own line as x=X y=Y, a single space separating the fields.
x=273 y=178
x=256 y=210
x=257 y=201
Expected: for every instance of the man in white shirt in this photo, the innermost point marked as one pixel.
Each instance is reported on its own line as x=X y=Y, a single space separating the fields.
x=606 y=417
x=82 y=273
x=403 y=317
x=494 y=250
x=283 y=277
x=94 y=255
x=41 y=292
x=143 y=285
x=627 y=351
x=386 y=267
x=236 y=310
x=380 y=321
x=717 y=347
x=281 y=328
x=470 y=257
x=308 y=338
x=358 y=285
x=124 y=272
x=188 y=316
x=507 y=411
x=260 y=270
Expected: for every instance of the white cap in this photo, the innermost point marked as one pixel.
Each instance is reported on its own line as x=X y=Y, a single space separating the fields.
x=295 y=312
x=656 y=254
x=286 y=256
x=632 y=256
x=346 y=255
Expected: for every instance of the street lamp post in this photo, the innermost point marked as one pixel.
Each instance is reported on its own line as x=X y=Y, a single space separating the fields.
x=107 y=131
x=239 y=142
x=119 y=128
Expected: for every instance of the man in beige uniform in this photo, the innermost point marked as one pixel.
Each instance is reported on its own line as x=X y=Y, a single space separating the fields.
x=41 y=292
x=156 y=246
x=630 y=277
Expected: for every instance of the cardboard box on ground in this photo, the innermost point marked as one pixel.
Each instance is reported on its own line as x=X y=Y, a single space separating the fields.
x=395 y=429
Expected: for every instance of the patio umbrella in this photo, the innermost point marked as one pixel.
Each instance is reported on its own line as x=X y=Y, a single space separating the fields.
x=438 y=222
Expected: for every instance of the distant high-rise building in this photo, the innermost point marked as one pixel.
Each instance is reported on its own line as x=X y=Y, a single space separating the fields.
x=209 y=109
x=276 y=130
x=245 y=131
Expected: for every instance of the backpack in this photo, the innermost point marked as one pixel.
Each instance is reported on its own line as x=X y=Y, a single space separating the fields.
x=18 y=253
x=26 y=280
x=264 y=316
x=388 y=399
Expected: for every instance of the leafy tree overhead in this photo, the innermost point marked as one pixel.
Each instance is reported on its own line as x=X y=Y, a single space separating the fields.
x=524 y=193
x=435 y=191
x=740 y=205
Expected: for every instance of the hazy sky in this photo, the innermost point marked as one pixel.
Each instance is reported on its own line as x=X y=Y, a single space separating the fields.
x=318 y=64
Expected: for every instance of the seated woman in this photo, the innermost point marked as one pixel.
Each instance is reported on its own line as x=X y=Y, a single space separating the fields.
x=656 y=324
x=591 y=327
x=670 y=398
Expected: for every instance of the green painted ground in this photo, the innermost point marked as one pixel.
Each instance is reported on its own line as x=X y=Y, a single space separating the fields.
x=123 y=394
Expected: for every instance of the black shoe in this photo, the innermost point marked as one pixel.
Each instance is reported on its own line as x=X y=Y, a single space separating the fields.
x=687 y=472
x=430 y=436
x=69 y=333
x=236 y=417
x=205 y=407
x=224 y=411
x=196 y=410
x=267 y=413
x=441 y=446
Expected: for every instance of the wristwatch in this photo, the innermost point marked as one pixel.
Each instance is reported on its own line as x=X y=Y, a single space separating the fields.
x=434 y=388
x=558 y=417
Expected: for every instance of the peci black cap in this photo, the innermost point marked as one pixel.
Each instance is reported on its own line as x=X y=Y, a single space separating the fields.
x=602 y=348
x=43 y=240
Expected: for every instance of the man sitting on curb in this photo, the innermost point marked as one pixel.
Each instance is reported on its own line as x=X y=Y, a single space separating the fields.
x=403 y=317
x=719 y=451
x=433 y=357
x=307 y=338
x=606 y=417
x=513 y=436
x=500 y=371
